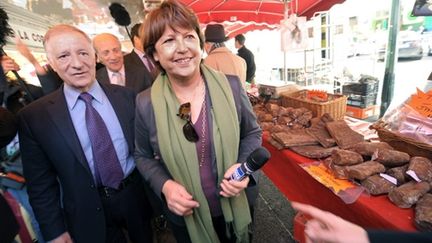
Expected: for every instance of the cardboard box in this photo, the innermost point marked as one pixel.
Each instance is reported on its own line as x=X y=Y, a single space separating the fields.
x=362 y=113
x=275 y=89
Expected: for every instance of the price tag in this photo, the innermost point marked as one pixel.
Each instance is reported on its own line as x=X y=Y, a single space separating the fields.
x=317 y=95
x=322 y=174
x=391 y=179
x=422 y=103
x=413 y=175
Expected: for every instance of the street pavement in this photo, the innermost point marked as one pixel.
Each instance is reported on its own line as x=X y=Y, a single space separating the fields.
x=273 y=215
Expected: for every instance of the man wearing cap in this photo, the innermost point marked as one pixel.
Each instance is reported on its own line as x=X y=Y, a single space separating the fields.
x=220 y=57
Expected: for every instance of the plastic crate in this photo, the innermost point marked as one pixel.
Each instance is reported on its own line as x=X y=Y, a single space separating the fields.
x=365 y=88
x=361 y=101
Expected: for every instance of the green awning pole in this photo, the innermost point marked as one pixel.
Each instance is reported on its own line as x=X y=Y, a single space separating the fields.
x=391 y=58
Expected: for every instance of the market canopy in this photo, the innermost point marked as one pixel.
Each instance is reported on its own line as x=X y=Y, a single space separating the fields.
x=247 y=15
x=234 y=28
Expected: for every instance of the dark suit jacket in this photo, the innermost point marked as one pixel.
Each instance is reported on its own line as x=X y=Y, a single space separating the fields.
x=147 y=152
x=133 y=59
x=138 y=78
x=9 y=226
x=378 y=236
x=60 y=183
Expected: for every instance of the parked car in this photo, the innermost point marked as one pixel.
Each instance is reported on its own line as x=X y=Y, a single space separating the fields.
x=409 y=46
x=427 y=42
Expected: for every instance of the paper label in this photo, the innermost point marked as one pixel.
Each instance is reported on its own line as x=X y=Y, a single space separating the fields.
x=422 y=103
x=374 y=155
x=391 y=179
x=322 y=174
x=413 y=175
x=317 y=95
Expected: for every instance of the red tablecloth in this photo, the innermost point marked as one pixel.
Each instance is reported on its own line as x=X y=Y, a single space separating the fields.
x=297 y=185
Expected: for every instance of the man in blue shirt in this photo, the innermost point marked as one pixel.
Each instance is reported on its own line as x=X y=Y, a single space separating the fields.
x=65 y=177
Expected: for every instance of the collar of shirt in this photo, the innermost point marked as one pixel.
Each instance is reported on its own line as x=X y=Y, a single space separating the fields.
x=142 y=56
x=72 y=94
x=121 y=71
x=138 y=52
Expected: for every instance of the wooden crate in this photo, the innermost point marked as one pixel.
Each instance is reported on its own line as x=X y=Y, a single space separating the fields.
x=335 y=106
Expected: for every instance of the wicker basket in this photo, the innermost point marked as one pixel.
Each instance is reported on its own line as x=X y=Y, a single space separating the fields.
x=336 y=106
x=402 y=143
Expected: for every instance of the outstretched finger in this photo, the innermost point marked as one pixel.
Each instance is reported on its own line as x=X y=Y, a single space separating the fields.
x=316 y=213
x=317 y=231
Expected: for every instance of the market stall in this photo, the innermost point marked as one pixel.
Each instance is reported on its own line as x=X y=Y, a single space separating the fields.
x=297 y=185
x=356 y=179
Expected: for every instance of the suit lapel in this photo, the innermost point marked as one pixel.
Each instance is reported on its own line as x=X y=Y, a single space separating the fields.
x=58 y=110
x=136 y=71
x=102 y=76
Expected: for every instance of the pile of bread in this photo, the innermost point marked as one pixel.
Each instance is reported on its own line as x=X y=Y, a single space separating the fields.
x=275 y=118
x=378 y=167
x=382 y=170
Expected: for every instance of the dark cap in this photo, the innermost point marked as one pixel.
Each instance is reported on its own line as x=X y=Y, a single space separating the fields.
x=215 y=33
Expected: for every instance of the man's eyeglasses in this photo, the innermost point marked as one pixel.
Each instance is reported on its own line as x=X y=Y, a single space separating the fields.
x=188 y=129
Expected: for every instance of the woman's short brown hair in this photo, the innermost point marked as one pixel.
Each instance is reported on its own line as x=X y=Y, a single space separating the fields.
x=170 y=13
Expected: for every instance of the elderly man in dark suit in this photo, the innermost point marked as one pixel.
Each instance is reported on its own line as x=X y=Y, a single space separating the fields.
x=116 y=70
x=77 y=150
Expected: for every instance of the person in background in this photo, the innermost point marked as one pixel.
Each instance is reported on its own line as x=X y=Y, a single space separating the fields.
x=327 y=227
x=8 y=64
x=220 y=57
x=248 y=56
x=138 y=58
x=108 y=51
x=15 y=92
x=48 y=79
x=9 y=226
x=81 y=178
x=8 y=126
x=193 y=127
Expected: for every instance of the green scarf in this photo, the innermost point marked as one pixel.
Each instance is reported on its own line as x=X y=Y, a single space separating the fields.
x=181 y=158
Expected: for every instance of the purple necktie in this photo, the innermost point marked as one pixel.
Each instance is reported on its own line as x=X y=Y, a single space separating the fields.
x=149 y=64
x=106 y=162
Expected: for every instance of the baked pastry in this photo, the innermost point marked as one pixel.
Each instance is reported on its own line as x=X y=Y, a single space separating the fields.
x=377 y=185
x=346 y=157
x=408 y=194
x=423 y=213
x=364 y=170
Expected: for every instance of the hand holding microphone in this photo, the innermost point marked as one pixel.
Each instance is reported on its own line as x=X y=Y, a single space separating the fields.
x=254 y=162
x=237 y=175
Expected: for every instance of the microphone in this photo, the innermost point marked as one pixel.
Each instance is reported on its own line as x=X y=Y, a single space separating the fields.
x=253 y=163
x=121 y=16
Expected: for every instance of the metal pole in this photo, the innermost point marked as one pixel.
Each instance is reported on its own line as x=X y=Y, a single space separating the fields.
x=285 y=74
x=391 y=58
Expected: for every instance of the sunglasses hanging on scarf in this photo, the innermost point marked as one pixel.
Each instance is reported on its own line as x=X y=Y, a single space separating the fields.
x=188 y=130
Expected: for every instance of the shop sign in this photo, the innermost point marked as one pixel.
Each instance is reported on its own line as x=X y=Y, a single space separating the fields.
x=30 y=37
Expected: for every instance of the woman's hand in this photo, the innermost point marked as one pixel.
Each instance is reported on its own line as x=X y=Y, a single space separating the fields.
x=178 y=199
x=231 y=188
